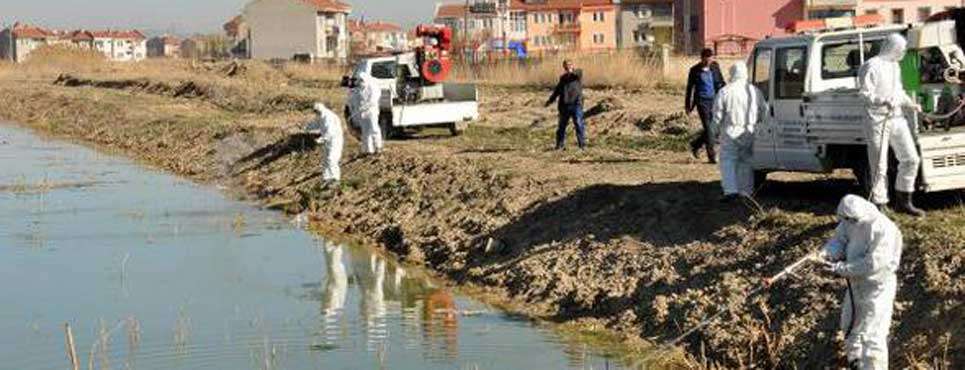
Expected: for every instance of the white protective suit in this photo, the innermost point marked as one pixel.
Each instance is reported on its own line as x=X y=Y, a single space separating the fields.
x=866 y=249
x=879 y=80
x=329 y=126
x=739 y=107
x=368 y=107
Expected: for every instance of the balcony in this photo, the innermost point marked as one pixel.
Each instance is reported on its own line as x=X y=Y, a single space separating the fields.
x=569 y=27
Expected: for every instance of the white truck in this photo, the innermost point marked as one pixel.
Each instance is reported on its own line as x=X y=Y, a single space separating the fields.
x=409 y=102
x=817 y=117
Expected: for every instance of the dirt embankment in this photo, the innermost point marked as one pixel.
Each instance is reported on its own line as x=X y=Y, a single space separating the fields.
x=628 y=235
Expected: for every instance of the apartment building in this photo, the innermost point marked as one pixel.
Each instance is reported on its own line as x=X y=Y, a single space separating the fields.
x=699 y=22
x=645 y=24
x=485 y=25
x=164 y=47
x=17 y=42
x=371 y=37
x=286 y=29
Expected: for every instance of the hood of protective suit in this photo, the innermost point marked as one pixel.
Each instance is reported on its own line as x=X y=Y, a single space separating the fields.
x=855 y=207
x=738 y=73
x=894 y=48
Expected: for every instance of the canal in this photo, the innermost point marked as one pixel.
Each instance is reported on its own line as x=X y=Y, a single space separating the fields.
x=155 y=272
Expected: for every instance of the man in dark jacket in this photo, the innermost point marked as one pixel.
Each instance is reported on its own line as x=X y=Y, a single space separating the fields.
x=703 y=83
x=569 y=92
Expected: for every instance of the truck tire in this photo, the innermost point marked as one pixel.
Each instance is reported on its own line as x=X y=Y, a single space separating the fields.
x=458 y=128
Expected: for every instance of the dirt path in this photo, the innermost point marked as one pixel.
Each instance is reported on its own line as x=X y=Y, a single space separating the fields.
x=628 y=235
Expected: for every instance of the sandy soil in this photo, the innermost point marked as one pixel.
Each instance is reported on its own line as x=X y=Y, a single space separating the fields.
x=628 y=235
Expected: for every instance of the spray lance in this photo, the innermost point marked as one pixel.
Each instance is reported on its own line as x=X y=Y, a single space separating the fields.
x=768 y=282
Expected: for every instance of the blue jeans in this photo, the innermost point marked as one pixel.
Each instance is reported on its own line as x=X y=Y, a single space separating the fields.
x=574 y=112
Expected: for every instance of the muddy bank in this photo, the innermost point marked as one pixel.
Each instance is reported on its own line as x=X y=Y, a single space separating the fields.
x=628 y=236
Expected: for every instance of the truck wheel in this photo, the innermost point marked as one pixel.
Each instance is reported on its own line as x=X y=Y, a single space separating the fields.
x=458 y=128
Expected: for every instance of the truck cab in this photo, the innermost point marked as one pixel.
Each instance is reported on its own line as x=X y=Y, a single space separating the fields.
x=817 y=119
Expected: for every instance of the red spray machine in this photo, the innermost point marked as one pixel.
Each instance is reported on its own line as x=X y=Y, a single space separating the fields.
x=433 y=57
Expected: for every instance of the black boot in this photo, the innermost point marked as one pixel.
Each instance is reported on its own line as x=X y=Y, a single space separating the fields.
x=905 y=204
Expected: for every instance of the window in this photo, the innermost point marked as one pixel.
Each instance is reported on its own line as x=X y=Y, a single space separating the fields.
x=924 y=13
x=598 y=38
x=830 y=13
x=843 y=60
x=384 y=70
x=898 y=16
x=762 y=71
x=871 y=11
x=694 y=23
x=791 y=69
x=598 y=17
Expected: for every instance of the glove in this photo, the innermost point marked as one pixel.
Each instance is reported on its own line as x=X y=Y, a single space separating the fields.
x=915 y=107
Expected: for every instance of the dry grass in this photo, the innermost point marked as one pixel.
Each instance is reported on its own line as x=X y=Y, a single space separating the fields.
x=314 y=72
x=51 y=60
x=624 y=69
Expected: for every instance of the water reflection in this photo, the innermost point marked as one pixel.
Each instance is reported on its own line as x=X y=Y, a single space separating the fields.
x=188 y=279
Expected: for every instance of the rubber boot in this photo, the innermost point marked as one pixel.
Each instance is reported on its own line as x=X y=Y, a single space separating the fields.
x=905 y=204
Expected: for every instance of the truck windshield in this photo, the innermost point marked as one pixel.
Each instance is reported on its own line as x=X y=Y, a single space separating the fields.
x=842 y=60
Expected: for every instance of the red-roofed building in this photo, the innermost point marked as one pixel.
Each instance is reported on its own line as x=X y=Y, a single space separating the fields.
x=374 y=37
x=17 y=42
x=492 y=24
x=284 y=29
x=121 y=45
x=164 y=47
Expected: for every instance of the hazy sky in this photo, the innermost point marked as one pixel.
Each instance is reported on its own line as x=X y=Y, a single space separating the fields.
x=181 y=16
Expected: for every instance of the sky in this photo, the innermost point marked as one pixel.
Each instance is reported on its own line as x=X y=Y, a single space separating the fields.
x=180 y=16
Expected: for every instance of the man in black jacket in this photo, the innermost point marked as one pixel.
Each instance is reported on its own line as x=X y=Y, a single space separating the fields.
x=569 y=91
x=703 y=83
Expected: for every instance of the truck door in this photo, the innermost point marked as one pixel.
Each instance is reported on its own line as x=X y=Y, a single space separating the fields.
x=787 y=110
x=762 y=64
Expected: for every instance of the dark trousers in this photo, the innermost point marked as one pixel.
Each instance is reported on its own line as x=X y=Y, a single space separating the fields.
x=568 y=112
x=705 y=109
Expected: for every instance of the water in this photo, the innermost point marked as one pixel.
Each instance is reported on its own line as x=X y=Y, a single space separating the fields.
x=154 y=272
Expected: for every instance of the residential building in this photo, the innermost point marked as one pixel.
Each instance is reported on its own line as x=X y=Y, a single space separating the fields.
x=121 y=46
x=598 y=25
x=17 y=42
x=560 y=25
x=645 y=23
x=164 y=47
x=81 y=38
x=492 y=24
x=371 y=37
x=237 y=32
x=699 y=22
x=285 y=29
x=903 y=11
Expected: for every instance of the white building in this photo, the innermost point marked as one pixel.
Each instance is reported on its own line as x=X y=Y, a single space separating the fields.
x=17 y=42
x=373 y=37
x=491 y=23
x=283 y=29
x=121 y=46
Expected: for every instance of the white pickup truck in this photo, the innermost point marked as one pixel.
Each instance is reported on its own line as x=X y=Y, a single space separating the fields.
x=409 y=102
x=817 y=116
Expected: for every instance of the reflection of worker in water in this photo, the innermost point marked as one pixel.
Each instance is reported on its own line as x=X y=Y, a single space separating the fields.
x=373 y=303
x=439 y=312
x=336 y=286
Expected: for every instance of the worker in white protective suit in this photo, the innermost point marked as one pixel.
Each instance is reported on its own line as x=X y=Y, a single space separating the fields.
x=738 y=108
x=880 y=83
x=329 y=128
x=368 y=110
x=865 y=250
